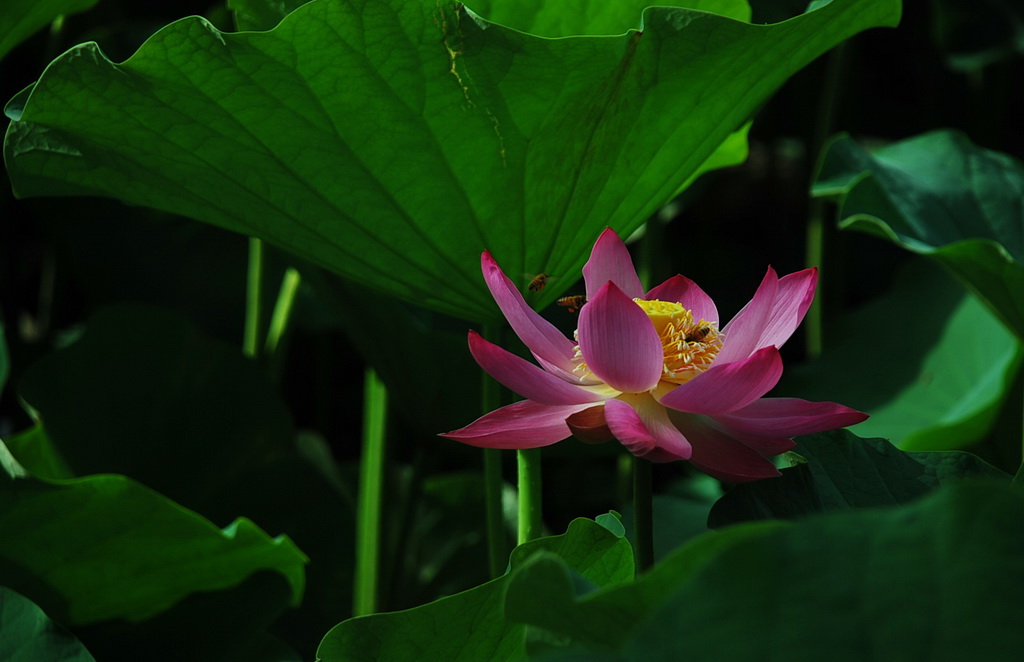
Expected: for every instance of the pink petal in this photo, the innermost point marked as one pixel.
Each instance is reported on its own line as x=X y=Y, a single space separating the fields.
x=743 y=332
x=719 y=455
x=610 y=261
x=527 y=379
x=770 y=418
x=523 y=424
x=552 y=349
x=794 y=297
x=619 y=342
x=765 y=446
x=728 y=387
x=647 y=433
x=590 y=426
x=685 y=292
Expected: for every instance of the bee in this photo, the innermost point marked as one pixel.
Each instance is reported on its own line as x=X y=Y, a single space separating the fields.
x=573 y=303
x=538 y=283
x=698 y=334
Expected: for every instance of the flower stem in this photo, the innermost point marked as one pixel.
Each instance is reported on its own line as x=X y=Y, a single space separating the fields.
x=497 y=555
x=251 y=339
x=815 y=247
x=497 y=552
x=282 y=311
x=643 y=514
x=371 y=489
x=530 y=521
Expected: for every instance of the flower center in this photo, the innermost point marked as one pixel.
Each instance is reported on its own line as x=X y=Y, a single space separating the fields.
x=689 y=347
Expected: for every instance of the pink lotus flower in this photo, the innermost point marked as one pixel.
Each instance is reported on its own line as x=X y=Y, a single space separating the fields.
x=654 y=371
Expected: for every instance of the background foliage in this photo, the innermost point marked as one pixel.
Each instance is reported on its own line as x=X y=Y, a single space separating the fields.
x=135 y=434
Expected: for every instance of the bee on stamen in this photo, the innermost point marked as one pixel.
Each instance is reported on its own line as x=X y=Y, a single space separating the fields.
x=698 y=334
x=573 y=303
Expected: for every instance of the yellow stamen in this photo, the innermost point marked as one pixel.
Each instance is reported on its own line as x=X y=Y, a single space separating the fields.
x=689 y=347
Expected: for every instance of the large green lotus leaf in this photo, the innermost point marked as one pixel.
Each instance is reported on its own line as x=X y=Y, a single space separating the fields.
x=105 y=547
x=546 y=19
x=840 y=471
x=928 y=361
x=937 y=579
x=20 y=19
x=394 y=140
x=589 y=17
x=543 y=593
x=939 y=195
x=30 y=636
x=470 y=626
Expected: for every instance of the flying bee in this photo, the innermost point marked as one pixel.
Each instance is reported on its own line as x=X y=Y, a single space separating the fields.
x=698 y=334
x=538 y=283
x=573 y=303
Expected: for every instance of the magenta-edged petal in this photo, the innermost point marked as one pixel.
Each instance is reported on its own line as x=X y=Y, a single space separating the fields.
x=619 y=342
x=646 y=433
x=794 y=297
x=527 y=379
x=768 y=447
x=626 y=426
x=590 y=426
x=719 y=455
x=771 y=418
x=743 y=332
x=688 y=294
x=724 y=388
x=523 y=424
x=552 y=349
x=610 y=261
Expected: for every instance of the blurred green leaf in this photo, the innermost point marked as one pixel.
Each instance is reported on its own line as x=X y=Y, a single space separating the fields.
x=470 y=626
x=939 y=195
x=30 y=636
x=841 y=471
x=105 y=547
x=936 y=579
x=37 y=454
x=145 y=393
x=974 y=35
x=20 y=19
x=928 y=361
x=395 y=160
x=5 y=358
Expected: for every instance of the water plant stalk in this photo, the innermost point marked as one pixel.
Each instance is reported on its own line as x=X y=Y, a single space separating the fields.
x=530 y=520
x=371 y=491
x=282 y=311
x=814 y=255
x=490 y=399
x=253 y=287
x=643 y=514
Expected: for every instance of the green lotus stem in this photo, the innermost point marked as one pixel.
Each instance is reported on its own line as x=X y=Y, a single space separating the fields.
x=253 y=286
x=815 y=248
x=643 y=513
x=814 y=253
x=282 y=311
x=371 y=489
x=530 y=520
x=497 y=553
